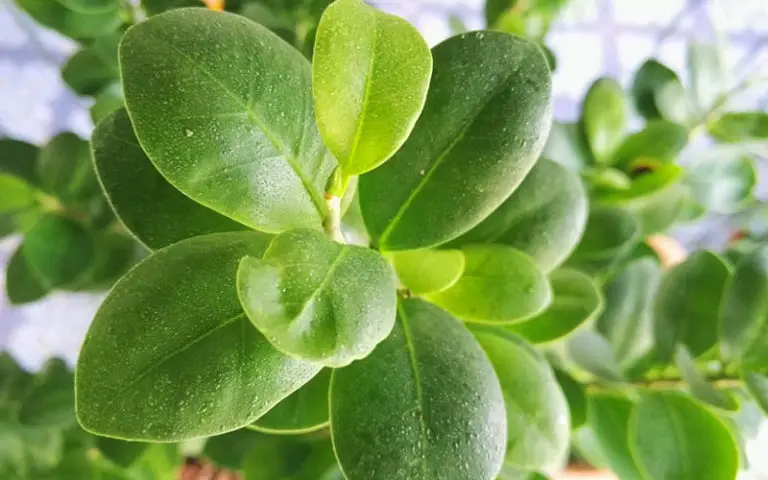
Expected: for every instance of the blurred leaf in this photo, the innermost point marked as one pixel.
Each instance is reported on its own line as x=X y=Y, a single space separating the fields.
x=757 y=386
x=22 y=284
x=577 y=300
x=50 y=400
x=7 y=224
x=652 y=88
x=550 y=56
x=352 y=224
x=686 y=308
x=740 y=127
x=591 y=352
x=121 y=452
x=107 y=101
x=154 y=7
x=114 y=254
x=14 y=381
x=576 y=396
x=659 y=140
x=232 y=449
x=609 y=233
x=722 y=183
x=604 y=118
x=91 y=68
x=428 y=271
x=691 y=209
x=527 y=18
x=673 y=437
x=658 y=177
x=456 y=24
x=567 y=145
x=158 y=461
x=19 y=159
x=657 y=212
x=74 y=23
x=13 y=464
x=305 y=410
x=15 y=194
x=627 y=321
x=609 y=415
x=287 y=459
x=706 y=74
x=699 y=386
x=66 y=170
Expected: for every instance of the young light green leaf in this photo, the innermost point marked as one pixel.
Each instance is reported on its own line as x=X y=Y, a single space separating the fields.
x=59 y=251
x=93 y=67
x=743 y=319
x=627 y=321
x=50 y=400
x=577 y=301
x=651 y=90
x=370 y=74
x=545 y=217
x=604 y=118
x=686 y=308
x=576 y=395
x=591 y=352
x=538 y=424
x=499 y=285
x=722 y=183
x=174 y=320
x=673 y=437
x=428 y=271
x=223 y=108
x=567 y=146
x=22 y=284
x=699 y=386
x=15 y=194
x=66 y=170
x=397 y=415
x=659 y=140
x=757 y=386
x=150 y=207
x=74 y=22
x=469 y=150
x=609 y=415
x=706 y=75
x=740 y=127
x=319 y=300
x=19 y=159
x=305 y=410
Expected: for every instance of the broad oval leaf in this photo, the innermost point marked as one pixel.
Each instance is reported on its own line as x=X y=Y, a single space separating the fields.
x=305 y=410
x=707 y=75
x=722 y=183
x=370 y=74
x=428 y=271
x=93 y=67
x=189 y=362
x=15 y=194
x=319 y=300
x=740 y=127
x=743 y=321
x=499 y=285
x=22 y=284
x=425 y=404
x=673 y=437
x=604 y=118
x=483 y=126
x=757 y=386
x=659 y=140
x=591 y=352
x=609 y=415
x=538 y=424
x=66 y=170
x=687 y=306
x=19 y=159
x=576 y=301
x=223 y=108
x=545 y=217
x=567 y=146
x=609 y=233
x=651 y=80
x=151 y=208
x=73 y=22
x=699 y=386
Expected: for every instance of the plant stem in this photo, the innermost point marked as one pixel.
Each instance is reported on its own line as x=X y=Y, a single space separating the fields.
x=333 y=222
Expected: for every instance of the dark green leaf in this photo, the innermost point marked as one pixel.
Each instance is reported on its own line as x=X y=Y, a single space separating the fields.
x=591 y=352
x=115 y=253
x=699 y=385
x=707 y=75
x=482 y=129
x=686 y=308
x=567 y=146
x=576 y=396
x=370 y=74
x=740 y=127
x=609 y=415
x=19 y=159
x=604 y=118
x=120 y=452
x=288 y=459
x=59 y=251
x=609 y=233
x=66 y=170
x=75 y=23
x=651 y=90
x=14 y=381
x=577 y=301
x=659 y=140
x=90 y=69
x=545 y=217
x=174 y=319
x=15 y=194
x=673 y=437
x=232 y=449
x=499 y=285
x=22 y=284
x=319 y=300
x=428 y=271
x=538 y=425
x=304 y=410
x=722 y=183
x=13 y=464
x=757 y=386
x=146 y=203
x=50 y=400
x=235 y=102
x=107 y=101
x=425 y=404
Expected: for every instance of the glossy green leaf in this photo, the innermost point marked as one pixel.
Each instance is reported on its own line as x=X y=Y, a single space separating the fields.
x=545 y=217
x=609 y=416
x=499 y=285
x=15 y=194
x=706 y=75
x=120 y=452
x=370 y=74
x=567 y=146
x=604 y=117
x=425 y=404
x=235 y=101
x=288 y=459
x=22 y=284
x=319 y=300
x=687 y=306
x=145 y=202
x=757 y=386
x=107 y=101
x=609 y=233
x=19 y=159
x=699 y=385
x=651 y=90
x=576 y=396
x=743 y=321
x=428 y=271
x=673 y=437
x=50 y=400
x=178 y=375
x=90 y=69
x=591 y=352
x=58 y=250
x=66 y=170
x=484 y=124
x=659 y=140
x=576 y=301
x=627 y=321
x=72 y=22
x=538 y=424
x=304 y=410
x=722 y=183
x=740 y=127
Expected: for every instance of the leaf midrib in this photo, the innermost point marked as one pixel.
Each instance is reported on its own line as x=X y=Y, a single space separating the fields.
x=417 y=383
